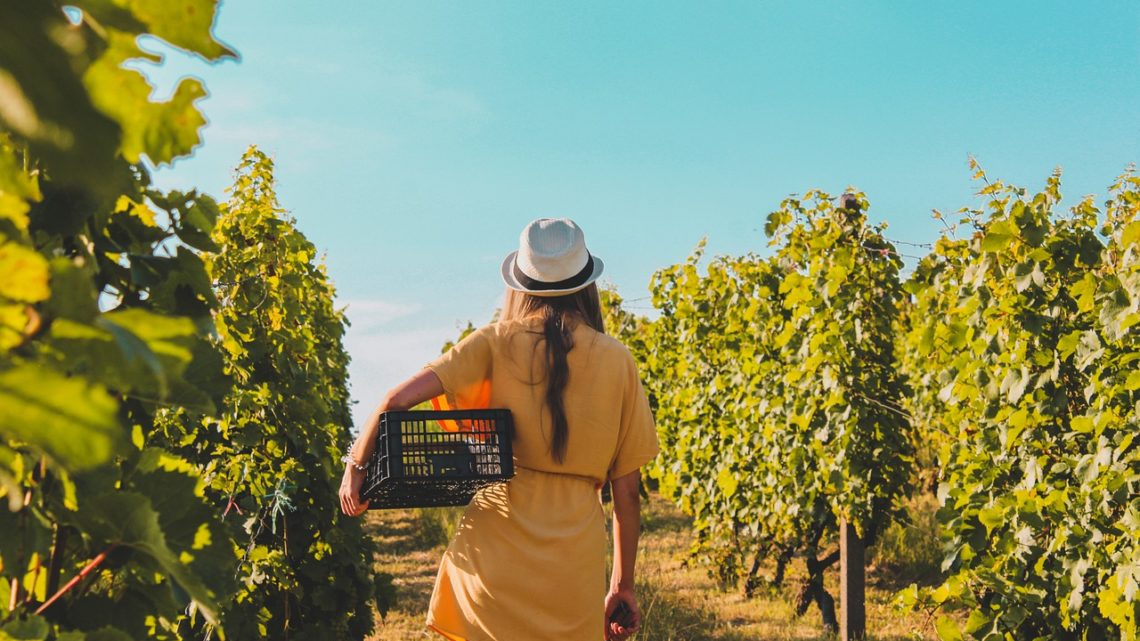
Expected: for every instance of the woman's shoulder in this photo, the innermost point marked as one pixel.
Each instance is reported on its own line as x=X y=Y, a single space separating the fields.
x=606 y=345
x=478 y=334
x=597 y=342
x=501 y=328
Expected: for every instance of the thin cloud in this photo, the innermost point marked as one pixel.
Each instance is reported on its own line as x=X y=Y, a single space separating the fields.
x=369 y=315
x=383 y=359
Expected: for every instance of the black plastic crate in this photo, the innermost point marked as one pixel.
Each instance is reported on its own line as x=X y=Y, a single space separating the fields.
x=418 y=463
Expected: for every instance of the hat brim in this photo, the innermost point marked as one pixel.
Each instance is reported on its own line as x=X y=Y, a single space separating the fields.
x=513 y=283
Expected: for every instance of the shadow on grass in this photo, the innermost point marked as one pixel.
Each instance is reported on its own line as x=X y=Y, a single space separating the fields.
x=895 y=579
x=657 y=520
x=909 y=550
x=669 y=619
x=408 y=547
x=412 y=530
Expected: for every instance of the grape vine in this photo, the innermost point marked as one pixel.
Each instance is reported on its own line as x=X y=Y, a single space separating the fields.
x=271 y=455
x=776 y=392
x=116 y=527
x=104 y=321
x=1022 y=354
x=790 y=392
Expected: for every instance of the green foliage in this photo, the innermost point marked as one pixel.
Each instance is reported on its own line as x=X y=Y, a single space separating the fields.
x=104 y=323
x=631 y=329
x=65 y=92
x=70 y=419
x=910 y=549
x=272 y=453
x=837 y=391
x=1023 y=358
x=467 y=329
x=776 y=390
x=436 y=526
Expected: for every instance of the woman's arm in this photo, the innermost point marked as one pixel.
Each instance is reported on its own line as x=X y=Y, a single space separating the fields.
x=417 y=389
x=422 y=386
x=627 y=529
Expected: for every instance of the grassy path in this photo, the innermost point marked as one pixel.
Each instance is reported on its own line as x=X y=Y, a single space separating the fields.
x=680 y=601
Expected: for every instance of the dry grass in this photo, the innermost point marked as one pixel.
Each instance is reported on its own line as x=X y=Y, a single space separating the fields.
x=680 y=601
x=411 y=544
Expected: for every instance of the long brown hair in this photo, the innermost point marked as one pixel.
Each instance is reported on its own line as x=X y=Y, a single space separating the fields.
x=559 y=316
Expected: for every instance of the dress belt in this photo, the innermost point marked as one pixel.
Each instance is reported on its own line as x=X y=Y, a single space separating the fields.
x=578 y=477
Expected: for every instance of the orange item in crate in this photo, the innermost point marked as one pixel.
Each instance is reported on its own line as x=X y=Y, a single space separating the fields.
x=478 y=398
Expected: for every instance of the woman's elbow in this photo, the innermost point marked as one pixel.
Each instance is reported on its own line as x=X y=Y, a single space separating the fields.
x=422 y=386
x=395 y=400
x=626 y=490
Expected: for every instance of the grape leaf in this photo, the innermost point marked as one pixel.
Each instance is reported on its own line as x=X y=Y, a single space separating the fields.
x=69 y=418
x=163 y=131
x=23 y=273
x=43 y=100
x=186 y=24
x=34 y=628
x=128 y=518
x=999 y=235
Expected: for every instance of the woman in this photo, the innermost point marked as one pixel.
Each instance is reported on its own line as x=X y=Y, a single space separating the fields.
x=527 y=561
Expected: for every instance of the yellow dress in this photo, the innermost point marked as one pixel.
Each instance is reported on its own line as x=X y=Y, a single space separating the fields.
x=528 y=559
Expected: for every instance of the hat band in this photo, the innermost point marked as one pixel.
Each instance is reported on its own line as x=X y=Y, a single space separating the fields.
x=569 y=283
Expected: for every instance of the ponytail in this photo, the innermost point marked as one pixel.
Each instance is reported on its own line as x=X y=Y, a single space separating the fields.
x=558 y=343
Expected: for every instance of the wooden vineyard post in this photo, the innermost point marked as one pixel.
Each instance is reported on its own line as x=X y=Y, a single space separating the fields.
x=852 y=557
x=852 y=585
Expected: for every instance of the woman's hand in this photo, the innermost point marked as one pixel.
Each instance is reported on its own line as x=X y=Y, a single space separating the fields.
x=412 y=392
x=350 y=502
x=621 y=605
x=627 y=528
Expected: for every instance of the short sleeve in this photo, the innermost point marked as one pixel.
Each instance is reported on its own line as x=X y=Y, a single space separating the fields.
x=465 y=369
x=637 y=435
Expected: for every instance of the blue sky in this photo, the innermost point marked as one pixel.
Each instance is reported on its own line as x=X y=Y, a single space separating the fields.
x=414 y=140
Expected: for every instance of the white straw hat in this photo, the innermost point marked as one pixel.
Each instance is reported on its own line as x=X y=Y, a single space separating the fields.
x=552 y=259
